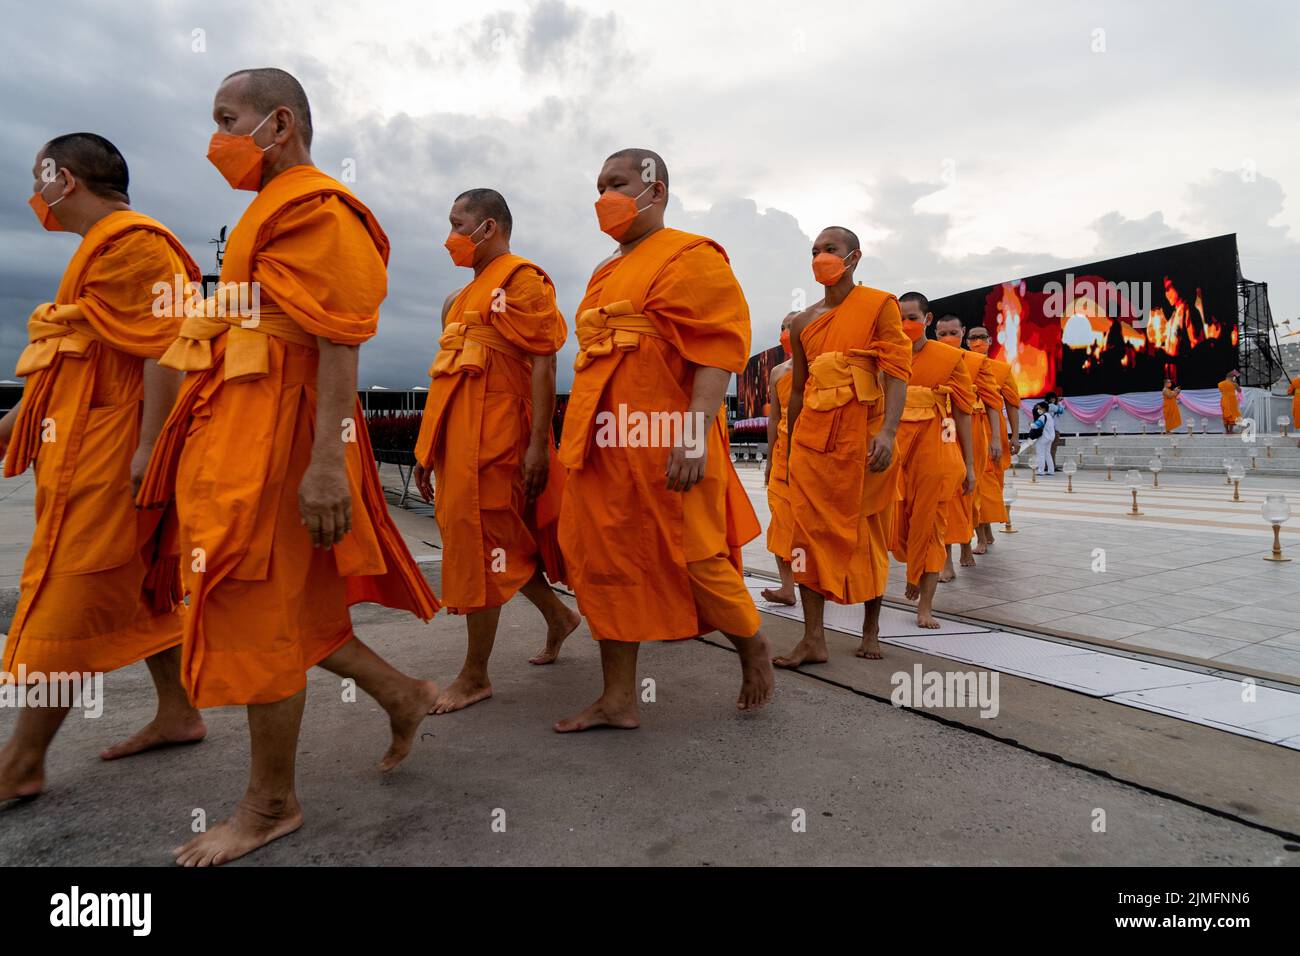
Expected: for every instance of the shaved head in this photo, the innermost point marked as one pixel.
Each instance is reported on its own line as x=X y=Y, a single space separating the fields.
x=266 y=89
x=950 y=318
x=921 y=301
x=485 y=204
x=96 y=163
x=650 y=164
x=849 y=237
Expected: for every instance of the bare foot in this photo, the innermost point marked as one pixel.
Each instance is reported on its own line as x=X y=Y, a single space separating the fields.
x=405 y=721
x=159 y=733
x=555 y=635
x=253 y=825
x=778 y=596
x=870 y=647
x=948 y=572
x=21 y=780
x=923 y=619
x=756 y=678
x=912 y=591
x=805 y=652
x=460 y=693
x=601 y=714
x=980 y=548
x=967 y=559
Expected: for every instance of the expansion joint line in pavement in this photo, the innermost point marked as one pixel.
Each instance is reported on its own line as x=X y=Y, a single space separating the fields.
x=1046 y=754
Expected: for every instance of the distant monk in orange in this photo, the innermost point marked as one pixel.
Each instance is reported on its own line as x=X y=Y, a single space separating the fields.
x=486 y=436
x=283 y=522
x=1229 y=396
x=777 y=476
x=986 y=419
x=1294 y=391
x=654 y=516
x=935 y=458
x=1169 y=406
x=851 y=362
x=96 y=592
x=989 y=505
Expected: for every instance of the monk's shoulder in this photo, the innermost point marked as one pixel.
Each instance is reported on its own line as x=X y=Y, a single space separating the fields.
x=803 y=319
x=608 y=260
x=779 y=372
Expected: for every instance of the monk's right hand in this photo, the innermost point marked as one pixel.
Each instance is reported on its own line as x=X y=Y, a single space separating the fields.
x=325 y=503
x=536 y=468
x=968 y=486
x=423 y=482
x=686 y=467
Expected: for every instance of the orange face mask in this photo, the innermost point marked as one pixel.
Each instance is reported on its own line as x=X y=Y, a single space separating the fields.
x=828 y=268
x=978 y=344
x=239 y=158
x=615 y=211
x=785 y=341
x=914 y=330
x=45 y=210
x=461 y=247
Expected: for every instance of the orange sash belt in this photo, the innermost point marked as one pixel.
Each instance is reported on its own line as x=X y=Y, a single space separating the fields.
x=248 y=354
x=609 y=327
x=924 y=403
x=837 y=378
x=52 y=330
x=49 y=332
x=461 y=348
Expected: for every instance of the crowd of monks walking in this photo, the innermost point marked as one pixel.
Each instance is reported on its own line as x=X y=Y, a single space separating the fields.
x=207 y=499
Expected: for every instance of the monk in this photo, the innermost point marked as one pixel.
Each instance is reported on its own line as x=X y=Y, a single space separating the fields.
x=986 y=421
x=935 y=457
x=486 y=436
x=1229 y=400
x=97 y=593
x=1169 y=406
x=267 y=464
x=776 y=474
x=851 y=362
x=1294 y=391
x=654 y=516
x=992 y=480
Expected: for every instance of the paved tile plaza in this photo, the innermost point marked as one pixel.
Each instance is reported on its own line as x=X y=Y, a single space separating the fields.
x=1187 y=578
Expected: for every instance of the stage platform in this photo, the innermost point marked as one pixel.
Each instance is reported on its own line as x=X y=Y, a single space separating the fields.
x=1274 y=456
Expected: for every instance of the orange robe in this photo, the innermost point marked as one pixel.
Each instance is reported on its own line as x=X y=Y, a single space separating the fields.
x=1228 y=402
x=264 y=604
x=990 y=482
x=930 y=463
x=97 y=591
x=1173 y=418
x=842 y=509
x=963 y=512
x=476 y=427
x=646 y=563
x=1294 y=391
x=780 y=529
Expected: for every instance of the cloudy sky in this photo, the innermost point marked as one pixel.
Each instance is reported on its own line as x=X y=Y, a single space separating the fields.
x=966 y=143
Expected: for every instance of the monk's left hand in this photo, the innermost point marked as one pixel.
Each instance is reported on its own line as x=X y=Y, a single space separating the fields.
x=686 y=466
x=968 y=486
x=881 y=450
x=139 y=464
x=1015 y=447
x=325 y=503
x=995 y=450
x=536 y=469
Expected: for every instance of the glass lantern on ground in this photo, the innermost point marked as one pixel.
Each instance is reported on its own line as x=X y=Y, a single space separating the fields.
x=1276 y=509
x=1236 y=472
x=1009 y=496
x=1156 y=466
x=1069 y=466
x=1227 y=463
x=1133 y=481
x=1110 y=463
x=1283 y=424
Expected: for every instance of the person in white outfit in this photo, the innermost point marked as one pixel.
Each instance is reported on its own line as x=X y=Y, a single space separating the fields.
x=1042 y=432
